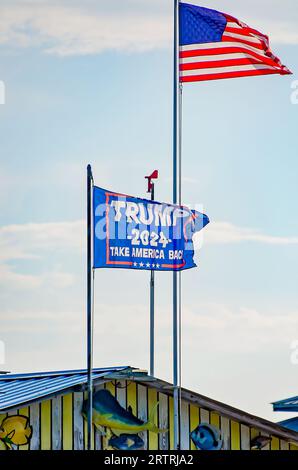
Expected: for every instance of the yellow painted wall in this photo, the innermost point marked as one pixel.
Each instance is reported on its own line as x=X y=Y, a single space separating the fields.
x=58 y=422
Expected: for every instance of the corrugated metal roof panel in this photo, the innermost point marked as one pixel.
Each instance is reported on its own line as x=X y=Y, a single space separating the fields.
x=288 y=404
x=22 y=389
x=290 y=424
x=17 y=389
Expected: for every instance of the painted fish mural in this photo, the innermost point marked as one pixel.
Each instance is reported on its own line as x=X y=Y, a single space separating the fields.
x=206 y=437
x=126 y=442
x=14 y=430
x=107 y=412
x=259 y=442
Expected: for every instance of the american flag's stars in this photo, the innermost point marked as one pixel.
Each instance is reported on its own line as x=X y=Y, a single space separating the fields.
x=147 y=265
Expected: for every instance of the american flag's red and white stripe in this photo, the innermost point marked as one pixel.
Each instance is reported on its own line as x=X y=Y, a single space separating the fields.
x=242 y=52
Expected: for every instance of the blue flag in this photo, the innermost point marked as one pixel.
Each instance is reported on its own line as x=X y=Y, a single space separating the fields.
x=136 y=233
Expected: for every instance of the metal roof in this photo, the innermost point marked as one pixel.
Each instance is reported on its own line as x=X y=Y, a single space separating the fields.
x=24 y=389
x=288 y=404
x=17 y=389
x=291 y=423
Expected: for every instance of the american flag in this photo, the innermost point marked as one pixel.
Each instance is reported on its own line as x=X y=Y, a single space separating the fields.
x=214 y=45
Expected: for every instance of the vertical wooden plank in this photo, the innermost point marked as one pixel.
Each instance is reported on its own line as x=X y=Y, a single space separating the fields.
x=56 y=423
x=85 y=428
x=284 y=445
x=78 y=421
x=225 y=432
x=163 y=421
x=184 y=425
x=253 y=434
x=171 y=422
x=235 y=435
x=152 y=400
x=132 y=397
x=24 y=412
x=35 y=423
x=13 y=412
x=293 y=447
x=2 y=417
x=67 y=422
x=97 y=440
x=85 y=425
x=194 y=421
x=142 y=411
x=121 y=393
x=267 y=446
x=245 y=437
x=111 y=387
x=214 y=419
x=204 y=416
x=46 y=425
x=275 y=443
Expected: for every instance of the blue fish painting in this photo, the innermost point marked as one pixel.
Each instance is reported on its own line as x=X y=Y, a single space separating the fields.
x=107 y=412
x=126 y=442
x=206 y=437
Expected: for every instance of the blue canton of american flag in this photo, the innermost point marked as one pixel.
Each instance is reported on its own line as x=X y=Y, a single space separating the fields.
x=214 y=45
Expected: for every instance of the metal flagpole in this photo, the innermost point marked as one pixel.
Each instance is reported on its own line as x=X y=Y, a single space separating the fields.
x=89 y=306
x=150 y=190
x=152 y=307
x=176 y=188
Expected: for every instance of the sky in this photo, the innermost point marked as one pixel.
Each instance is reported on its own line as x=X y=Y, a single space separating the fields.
x=91 y=82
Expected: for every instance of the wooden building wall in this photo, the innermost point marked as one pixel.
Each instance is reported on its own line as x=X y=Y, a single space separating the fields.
x=58 y=424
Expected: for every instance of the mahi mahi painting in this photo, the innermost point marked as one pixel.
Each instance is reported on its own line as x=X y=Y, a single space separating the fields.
x=107 y=412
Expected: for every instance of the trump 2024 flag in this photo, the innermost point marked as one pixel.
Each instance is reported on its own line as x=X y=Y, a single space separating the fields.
x=134 y=233
x=215 y=45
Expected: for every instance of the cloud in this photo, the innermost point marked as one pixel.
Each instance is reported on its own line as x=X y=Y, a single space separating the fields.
x=225 y=232
x=65 y=30
x=246 y=330
x=32 y=240
x=29 y=242
x=213 y=329
x=19 y=281
x=35 y=240
x=280 y=32
x=68 y=28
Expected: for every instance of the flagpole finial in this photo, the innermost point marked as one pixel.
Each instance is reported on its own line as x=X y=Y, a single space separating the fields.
x=89 y=171
x=153 y=176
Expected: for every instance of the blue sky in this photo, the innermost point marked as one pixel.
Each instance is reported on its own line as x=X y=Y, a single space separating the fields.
x=93 y=84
